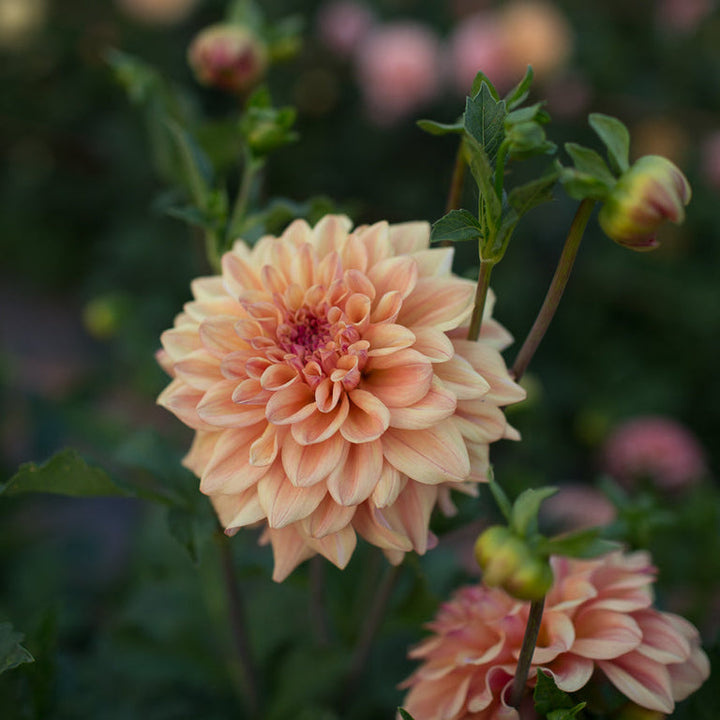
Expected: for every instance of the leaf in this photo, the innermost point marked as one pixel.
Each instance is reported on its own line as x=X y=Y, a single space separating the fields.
x=195 y=163
x=536 y=192
x=585 y=543
x=501 y=498
x=548 y=697
x=566 y=714
x=616 y=138
x=404 y=714
x=485 y=121
x=12 y=653
x=588 y=162
x=245 y=12
x=437 y=128
x=65 y=473
x=480 y=79
x=456 y=226
x=520 y=92
x=580 y=185
x=482 y=172
x=181 y=524
x=525 y=509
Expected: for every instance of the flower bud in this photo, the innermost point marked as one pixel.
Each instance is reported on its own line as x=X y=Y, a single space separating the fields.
x=652 y=191
x=531 y=580
x=229 y=57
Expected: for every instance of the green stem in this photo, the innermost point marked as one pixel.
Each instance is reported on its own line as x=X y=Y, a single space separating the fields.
x=212 y=251
x=237 y=625
x=483 y=285
x=526 y=652
x=250 y=170
x=556 y=289
x=500 y=168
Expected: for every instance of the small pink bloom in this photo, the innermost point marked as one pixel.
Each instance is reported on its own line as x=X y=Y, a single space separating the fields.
x=331 y=389
x=598 y=618
x=398 y=70
x=342 y=24
x=477 y=44
x=656 y=448
x=575 y=507
x=158 y=12
x=228 y=56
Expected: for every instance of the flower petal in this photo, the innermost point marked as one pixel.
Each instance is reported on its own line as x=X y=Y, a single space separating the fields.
x=603 y=634
x=327 y=518
x=435 y=406
x=441 y=302
x=306 y=465
x=289 y=550
x=354 y=480
x=284 y=503
x=291 y=404
x=642 y=680
x=321 y=425
x=367 y=418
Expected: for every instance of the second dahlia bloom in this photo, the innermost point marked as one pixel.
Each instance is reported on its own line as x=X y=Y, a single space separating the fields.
x=598 y=618
x=331 y=389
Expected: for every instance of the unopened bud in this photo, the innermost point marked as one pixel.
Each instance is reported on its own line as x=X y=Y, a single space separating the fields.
x=650 y=193
x=229 y=57
x=531 y=580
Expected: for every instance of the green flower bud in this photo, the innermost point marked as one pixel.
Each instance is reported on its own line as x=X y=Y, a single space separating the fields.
x=227 y=56
x=530 y=581
x=499 y=554
x=650 y=193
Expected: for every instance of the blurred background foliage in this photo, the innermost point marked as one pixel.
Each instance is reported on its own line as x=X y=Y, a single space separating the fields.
x=93 y=270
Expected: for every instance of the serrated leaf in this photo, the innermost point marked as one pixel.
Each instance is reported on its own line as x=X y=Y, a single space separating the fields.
x=548 y=697
x=484 y=121
x=585 y=543
x=589 y=162
x=481 y=170
x=616 y=138
x=438 y=128
x=520 y=92
x=478 y=81
x=456 y=226
x=12 y=653
x=65 y=473
x=404 y=714
x=525 y=509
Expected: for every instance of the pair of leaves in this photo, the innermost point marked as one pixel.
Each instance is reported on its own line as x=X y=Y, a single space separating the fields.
x=591 y=176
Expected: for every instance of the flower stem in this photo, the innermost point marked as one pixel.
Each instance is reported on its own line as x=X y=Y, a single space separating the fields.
x=555 y=291
x=458 y=178
x=250 y=169
x=486 y=267
x=372 y=625
x=526 y=652
x=237 y=625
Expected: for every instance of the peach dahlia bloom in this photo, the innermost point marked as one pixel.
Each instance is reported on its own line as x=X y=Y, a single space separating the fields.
x=331 y=390
x=598 y=618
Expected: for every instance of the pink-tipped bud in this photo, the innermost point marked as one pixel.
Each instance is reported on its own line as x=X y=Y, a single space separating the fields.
x=229 y=57
x=652 y=192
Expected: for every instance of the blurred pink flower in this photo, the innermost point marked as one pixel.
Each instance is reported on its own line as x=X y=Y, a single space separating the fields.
x=477 y=44
x=598 y=617
x=157 y=12
x=342 y=24
x=535 y=33
x=710 y=159
x=575 y=507
x=227 y=56
x=657 y=448
x=683 y=15
x=331 y=389
x=398 y=70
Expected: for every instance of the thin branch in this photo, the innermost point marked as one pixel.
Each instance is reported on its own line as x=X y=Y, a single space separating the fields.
x=528 y=648
x=480 y=297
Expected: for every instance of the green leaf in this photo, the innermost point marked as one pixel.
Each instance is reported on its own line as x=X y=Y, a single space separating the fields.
x=485 y=121
x=548 y=697
x=404 y=714
x=589 y=162
x=585 y=543
x=181 y=524
x=525 y=509
x=536 y=192
x=456 y=226
x=65 y=473
x=245 y=12
x=530 y=113
x=12 y=653
x=139 y=79
x=480 y=79
x=616 y=138
x=520 y=92
x=566 y=714
x=580 y=185
x=437 y=128
x=483 y=173
x=196 y=165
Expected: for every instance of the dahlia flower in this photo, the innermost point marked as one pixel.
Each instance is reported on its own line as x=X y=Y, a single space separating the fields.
x=331 y=389
x=598 y=618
